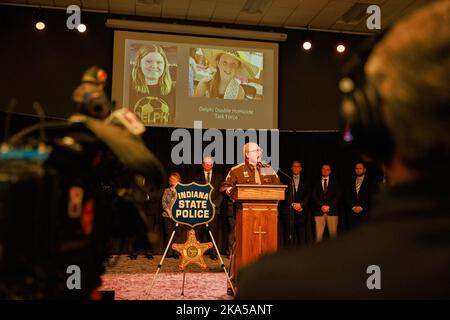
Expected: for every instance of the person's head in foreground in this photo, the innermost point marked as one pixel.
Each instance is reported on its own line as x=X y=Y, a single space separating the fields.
x=402 y=251
x=89 y=97
x=410 y=70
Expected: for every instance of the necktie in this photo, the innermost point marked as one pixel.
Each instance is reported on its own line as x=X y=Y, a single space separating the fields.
x=208 y=177
x=358 y=185
x=257 y=178
x=325 y=185
x=296 y=182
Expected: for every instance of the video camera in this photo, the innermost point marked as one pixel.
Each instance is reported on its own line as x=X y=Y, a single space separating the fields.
x=66 y=189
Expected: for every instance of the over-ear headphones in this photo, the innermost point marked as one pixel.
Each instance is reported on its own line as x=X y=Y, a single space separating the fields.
x=91 y=100
x=363 y=123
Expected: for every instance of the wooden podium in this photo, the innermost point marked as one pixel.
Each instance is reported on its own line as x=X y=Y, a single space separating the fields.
x=256 y=220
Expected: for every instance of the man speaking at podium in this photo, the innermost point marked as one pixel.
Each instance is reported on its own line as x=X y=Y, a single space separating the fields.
x=252 y=171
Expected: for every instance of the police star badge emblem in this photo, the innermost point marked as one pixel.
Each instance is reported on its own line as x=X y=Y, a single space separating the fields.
x=192 y=251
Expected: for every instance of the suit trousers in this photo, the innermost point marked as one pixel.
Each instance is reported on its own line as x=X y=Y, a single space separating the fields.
x=330 y=221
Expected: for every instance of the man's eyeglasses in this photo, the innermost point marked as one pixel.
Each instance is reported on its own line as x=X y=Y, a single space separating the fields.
x=256 y=150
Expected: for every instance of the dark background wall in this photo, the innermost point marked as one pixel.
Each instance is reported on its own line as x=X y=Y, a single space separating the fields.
x=47 y=65
x=312 y=148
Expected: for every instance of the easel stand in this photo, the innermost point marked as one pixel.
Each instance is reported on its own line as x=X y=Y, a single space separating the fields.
x=222 y=264
x=163 y=256
x=184 y=273
x=184 y=280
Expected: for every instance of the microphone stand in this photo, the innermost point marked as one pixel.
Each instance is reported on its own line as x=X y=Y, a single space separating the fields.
x=291 y=209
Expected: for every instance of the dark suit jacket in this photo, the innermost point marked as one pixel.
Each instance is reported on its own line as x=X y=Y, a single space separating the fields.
x=407 y=236
x=330 y=198
x=216 y=181
x=301 y=196
x=363 y=198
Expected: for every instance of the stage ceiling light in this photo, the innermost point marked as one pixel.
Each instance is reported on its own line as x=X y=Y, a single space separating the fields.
x=307 y=45
x=40 y=25
x=81 y=27
x=340 y=48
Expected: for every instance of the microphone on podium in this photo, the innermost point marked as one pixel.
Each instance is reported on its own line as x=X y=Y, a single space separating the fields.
x=263 y=164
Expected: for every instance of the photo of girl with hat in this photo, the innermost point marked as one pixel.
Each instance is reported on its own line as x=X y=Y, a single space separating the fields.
x=228 y=75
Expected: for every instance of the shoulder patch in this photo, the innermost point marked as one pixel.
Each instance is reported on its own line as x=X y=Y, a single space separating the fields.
x=237 y=166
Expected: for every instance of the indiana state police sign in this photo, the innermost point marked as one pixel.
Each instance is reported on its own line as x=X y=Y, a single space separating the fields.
x=193 y=205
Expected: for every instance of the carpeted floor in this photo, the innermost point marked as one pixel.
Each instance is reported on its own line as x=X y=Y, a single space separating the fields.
x=131 y=280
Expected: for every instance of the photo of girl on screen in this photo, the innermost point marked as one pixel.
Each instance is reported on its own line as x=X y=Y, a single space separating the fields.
x=152 y=90
x=225 y=74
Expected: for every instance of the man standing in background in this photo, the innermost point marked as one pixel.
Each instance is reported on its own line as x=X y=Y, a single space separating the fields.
x=207 y=175
x=295 y=211
x=326 y=197
x=358 y=196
